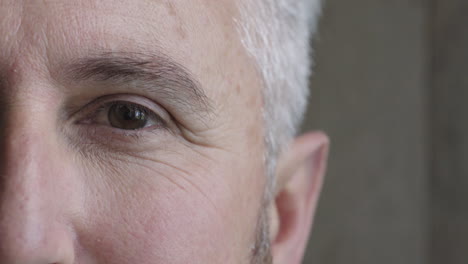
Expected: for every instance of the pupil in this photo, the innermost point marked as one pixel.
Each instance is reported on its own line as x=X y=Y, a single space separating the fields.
x=127 y=117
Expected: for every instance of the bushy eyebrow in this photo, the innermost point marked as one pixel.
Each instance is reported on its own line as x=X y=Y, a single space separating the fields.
x=155 y=74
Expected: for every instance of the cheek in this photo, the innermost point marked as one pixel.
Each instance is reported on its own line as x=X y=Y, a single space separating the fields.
x=171 y=228
x=160 y=215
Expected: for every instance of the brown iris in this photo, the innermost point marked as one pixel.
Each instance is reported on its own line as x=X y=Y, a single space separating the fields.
x=127 y=116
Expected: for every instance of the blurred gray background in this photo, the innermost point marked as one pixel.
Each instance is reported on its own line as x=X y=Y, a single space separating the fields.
x=391 y=90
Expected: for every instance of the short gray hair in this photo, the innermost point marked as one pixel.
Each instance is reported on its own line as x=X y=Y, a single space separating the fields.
x=276 y=35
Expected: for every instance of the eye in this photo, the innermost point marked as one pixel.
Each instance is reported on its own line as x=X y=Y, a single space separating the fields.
x=124 y=115
x=127 y=116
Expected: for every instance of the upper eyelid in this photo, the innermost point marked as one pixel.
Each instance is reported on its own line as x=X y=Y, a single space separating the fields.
x=156 y=74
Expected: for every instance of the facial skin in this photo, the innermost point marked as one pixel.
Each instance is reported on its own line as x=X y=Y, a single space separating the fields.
x=78 y=186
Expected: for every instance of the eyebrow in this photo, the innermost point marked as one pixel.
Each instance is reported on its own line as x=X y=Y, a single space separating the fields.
x=158 y=75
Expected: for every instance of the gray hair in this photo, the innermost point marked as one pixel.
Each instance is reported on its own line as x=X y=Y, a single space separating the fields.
x=276 y=35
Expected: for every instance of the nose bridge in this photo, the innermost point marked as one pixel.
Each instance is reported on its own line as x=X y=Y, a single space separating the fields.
x=29 y=175
x=24 y=158
x=21 y=147
x=23 y=181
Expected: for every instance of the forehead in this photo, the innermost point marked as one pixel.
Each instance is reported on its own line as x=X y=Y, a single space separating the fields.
x=154 y=17
x=201 y=34
x=114 y=23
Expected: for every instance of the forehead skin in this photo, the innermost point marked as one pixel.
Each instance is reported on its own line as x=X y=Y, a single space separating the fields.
x=199 y=33
x=191 y=198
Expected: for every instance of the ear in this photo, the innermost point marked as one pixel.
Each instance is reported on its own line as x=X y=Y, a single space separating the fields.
x=299 y=175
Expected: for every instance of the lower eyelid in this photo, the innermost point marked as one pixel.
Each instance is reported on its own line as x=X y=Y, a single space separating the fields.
x=116 y=138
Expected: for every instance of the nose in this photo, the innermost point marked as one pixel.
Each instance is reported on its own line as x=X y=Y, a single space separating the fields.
x=33 y=198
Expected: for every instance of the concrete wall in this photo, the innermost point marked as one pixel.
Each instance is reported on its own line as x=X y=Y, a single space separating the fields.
x=449 y=132
x=370 y=94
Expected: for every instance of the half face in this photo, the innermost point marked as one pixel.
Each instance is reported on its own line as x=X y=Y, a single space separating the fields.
x=131 y=132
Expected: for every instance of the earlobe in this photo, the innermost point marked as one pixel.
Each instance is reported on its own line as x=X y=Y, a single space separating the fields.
x=299 y=179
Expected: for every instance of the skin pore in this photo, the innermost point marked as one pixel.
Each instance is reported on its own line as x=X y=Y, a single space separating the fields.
x=185 y=187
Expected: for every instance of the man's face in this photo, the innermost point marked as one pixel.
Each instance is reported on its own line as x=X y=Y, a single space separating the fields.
x=131 y=133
